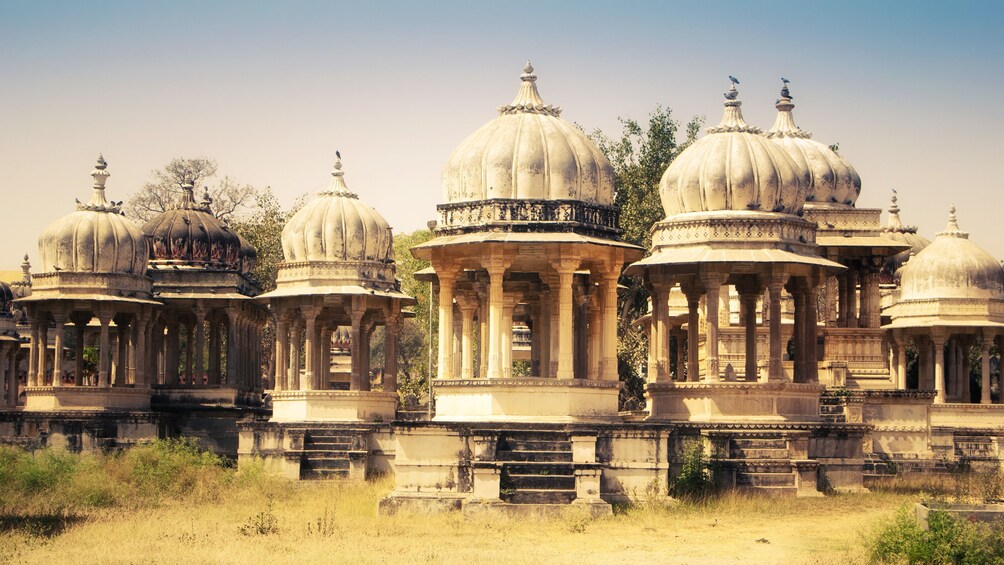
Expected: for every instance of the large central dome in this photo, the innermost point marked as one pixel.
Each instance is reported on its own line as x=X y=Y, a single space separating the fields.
x=528 y=152
x=734 y=168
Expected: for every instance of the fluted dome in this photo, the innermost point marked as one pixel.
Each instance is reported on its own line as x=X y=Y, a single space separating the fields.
x=952 y=266
x=336 y=226
x=248 y=256
x=189 y=235
x=832 y=180
x=528 y=152
x=733 y=167
x=96 y=238
x=906 y=235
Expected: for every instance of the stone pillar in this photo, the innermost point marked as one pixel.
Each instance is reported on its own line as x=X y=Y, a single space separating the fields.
x=199 y=368
x=122 y=346
x=553 y=324
x=468 y=307
x=985 y=367
x=830 y=315
x=364 y=356
x=309 y=347
x=798 y=331
x=172 y=339
x=233 y=319
x=594 y=349
x=446 y=279
x=12 y=385
x=712 y=286
x=79 y=325
x=57 y=359
x=811 y=328
x=104 y=343
x=296 y=336
x=938 y=343
x=901 y=343
x=693 y=337
x=608 y=365
x=324 y=358
x=775 y=367
x=43 y=353
x=215 y=353
x=391 y=331
x=137 y=349
x=508 y=305
x=496 y=270
x=483 y=333
x=659 y=341
x=356 y=335
x=566 y=273
x=748 y=301
x=542 y=326
x=280 y=372
x=965 y=382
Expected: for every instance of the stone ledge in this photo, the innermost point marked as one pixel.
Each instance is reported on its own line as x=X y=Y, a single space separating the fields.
x=526 y=382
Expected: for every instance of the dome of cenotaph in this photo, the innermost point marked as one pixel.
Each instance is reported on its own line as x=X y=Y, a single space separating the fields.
x=832 y=180
x=189 y=235
x=528 y=152
x=96 y=238
x=733 y=168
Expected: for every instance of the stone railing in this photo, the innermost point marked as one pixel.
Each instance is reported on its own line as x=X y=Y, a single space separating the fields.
x=746 y=228
x=513 y=215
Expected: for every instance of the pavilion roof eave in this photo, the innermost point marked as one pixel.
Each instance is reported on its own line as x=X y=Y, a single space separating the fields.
x=706 y=254
x=349 y=290
x=420 y=250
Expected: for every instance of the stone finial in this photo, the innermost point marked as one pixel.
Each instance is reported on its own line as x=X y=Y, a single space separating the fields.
x=98 y=203
x=99 y=174
x=894 y=220
x=26 y=270
x=784 y=123
x=528 y=100
x=952 y=229
x=188 y=195
x=338 y=186
x=732 y=120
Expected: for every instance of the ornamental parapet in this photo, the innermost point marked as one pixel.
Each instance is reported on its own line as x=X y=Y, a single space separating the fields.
x=337 y=273
x=529 y=215
x=68 y=284
x=743 y=229
x=856 y=220
x=541 y=382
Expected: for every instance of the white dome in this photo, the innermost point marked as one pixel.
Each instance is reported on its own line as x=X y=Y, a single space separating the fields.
x=952 y=266
x=336 y=226
x=734 y=167
x=528 y=152
x=832 y=180
x=96 y=238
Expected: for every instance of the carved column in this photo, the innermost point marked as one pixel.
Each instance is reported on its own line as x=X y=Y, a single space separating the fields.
x=608 y=365
x=33 y=353
x=324 y=358
x=468 y=307
x=309 y=347
x=496 y=270
x=296 y=338
x=199 y=368
x=104 y=343
x=57 y=359
x=595 y=347
x=901 y=342
x=447 y=277
x=391 y=332
x=748 y=298
x=364 y=355
x=43 y=352
x=659 y=340
x=565 y=268
x=542 y=326
x=508 y=305
x=215 y=354
x=358 y=309
x=712 y=286
x=79 y=325
x=693 y=329
x=985 y=367
x=938 y=343
x=775 y=370
x=280 y=373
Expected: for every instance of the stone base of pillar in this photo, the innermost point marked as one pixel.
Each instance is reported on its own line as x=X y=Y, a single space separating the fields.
x=86 y=398
x=525 y=400
x=487 y=482
x=733 y=402
x=212 y=395
x=333 y=406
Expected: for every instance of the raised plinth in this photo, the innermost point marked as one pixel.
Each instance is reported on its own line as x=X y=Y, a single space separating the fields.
x=731 y=402
x=54 y=398
x=212 y=395
x=333 y=406
x=528 y=399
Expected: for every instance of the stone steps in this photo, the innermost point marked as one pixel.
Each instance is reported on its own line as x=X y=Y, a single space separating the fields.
x=536 y=456
x=536 y=468
x=325 y=454
x=763 y=465
x=552 y=482
x=540 y=496
x=760 y=453
x=766 y=479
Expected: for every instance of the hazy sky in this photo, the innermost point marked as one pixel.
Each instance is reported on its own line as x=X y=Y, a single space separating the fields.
x=270 y=90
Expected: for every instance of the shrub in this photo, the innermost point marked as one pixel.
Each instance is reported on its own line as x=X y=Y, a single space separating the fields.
x=695 y=479
x=946 y=540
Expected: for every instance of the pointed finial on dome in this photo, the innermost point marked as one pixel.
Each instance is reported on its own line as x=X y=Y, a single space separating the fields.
x=784 y=123
x=100 y=176
x=733 y=120
x=26 y=270
x=528 y=100
x=338 y=186
x=894 y=221
x=188 y=195
x=952 y=229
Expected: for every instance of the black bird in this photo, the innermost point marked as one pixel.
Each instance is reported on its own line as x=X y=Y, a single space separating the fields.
x=733 y=79
x=784 y=80
x=338 y=154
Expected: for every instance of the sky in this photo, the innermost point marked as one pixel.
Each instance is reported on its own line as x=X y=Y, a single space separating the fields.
x=271 y=90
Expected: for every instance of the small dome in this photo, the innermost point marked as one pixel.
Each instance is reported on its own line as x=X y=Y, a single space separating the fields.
x=96 y=238
x=906 y=235
x=832 y=180
x=952 y=266
x=734 y=167
x=189 y=235
x=336 y=226
x=6 y=298
x=248 y=256
x=528 y=152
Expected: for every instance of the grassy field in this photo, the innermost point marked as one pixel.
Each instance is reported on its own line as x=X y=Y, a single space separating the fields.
x=120 y=510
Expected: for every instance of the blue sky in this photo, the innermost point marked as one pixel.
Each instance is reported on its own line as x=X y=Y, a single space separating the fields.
x=270 y=90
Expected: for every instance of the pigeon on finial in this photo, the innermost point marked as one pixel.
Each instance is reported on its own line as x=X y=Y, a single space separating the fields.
x=101 y=164
x=528 y=68
x=784 y=80
x=733 y=79
x=338 y=154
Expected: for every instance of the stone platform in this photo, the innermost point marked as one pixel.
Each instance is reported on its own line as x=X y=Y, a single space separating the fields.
x=333 y=406
x=525 y=399
x=86 y=398
x=733 y=402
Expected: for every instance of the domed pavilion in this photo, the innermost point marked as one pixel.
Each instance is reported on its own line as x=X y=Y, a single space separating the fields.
x=93 y=265
x=733 y=202
x=201 y=271
x=852 y=336
x=951 y=298
x=527 y=234
x=338 y=271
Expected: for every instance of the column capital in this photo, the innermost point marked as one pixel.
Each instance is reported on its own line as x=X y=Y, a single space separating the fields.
x=566 y=264
x=467 y=301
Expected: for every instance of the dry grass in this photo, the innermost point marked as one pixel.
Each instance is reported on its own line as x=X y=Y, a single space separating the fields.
x=337 y=523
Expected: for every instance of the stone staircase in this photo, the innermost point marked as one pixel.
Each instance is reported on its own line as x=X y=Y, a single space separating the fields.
x=763 y=465
x=326 y=453
x=536 y=468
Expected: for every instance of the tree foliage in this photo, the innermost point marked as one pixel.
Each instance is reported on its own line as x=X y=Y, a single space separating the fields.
x=263 y=230
x=640 y=157
x=230 y=198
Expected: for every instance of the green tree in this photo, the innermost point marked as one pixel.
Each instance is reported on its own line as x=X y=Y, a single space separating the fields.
x=640 y=157
x=414 y=339
x=263 y=230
